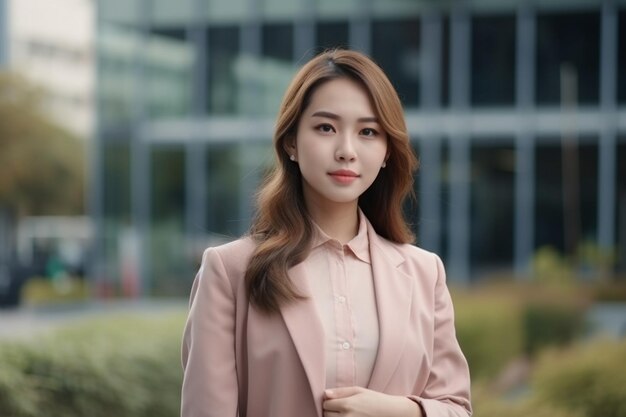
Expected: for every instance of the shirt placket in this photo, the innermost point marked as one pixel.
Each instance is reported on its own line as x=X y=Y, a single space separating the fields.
x=346 y=367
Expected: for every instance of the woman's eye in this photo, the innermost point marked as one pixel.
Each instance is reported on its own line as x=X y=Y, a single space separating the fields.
x=325 y=128
x=369 y=132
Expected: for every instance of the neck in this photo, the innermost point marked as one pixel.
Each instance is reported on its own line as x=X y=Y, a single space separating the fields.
x=339 y=222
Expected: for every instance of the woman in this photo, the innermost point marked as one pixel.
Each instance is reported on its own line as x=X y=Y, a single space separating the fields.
x=325 y=309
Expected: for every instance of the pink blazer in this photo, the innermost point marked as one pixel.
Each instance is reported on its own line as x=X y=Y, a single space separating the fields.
x=240 y=362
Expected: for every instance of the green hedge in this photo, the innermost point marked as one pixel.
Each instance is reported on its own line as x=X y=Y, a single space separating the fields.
x=130 y=366
x=489 y=330
x=589 y=379
x=487 y=403
x=123 y=366
x=551 y=325
x=497 y=324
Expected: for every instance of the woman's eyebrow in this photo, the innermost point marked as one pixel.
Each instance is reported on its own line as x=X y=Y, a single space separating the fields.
x=334 y=116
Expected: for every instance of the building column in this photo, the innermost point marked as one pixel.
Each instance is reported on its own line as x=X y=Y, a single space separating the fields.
x=360 y=28
x=4 y=34
x=524 y=143
x=459 y=214
x=429 y=199
x=140 y=193
x=304 y=34
x=195 y=151
x=195 y=189
x=607 y=165
x=95 y=192
x=251 y=45
x=249 y=174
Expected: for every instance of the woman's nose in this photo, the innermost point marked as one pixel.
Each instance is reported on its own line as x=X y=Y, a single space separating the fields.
x=345 y=149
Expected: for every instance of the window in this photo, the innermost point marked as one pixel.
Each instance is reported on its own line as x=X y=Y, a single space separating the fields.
x=566 y=195
x=396 y=48
x=224 y=179
x=445 y=61
x=167 y=245
x=620 y=205
x=168 y=184
x=493 y=60
x=278 y=41
x=492 y=204
x=116 y=179
x=548 y=196
x=621 y=58
x=573 y=40
x=222 y=54
x=273 y=72
x=331 y=35
x=168 y=66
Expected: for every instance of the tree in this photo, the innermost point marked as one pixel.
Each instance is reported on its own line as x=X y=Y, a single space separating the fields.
x=42 y=165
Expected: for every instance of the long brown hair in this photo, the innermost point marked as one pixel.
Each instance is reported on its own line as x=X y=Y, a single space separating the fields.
x=281 y=227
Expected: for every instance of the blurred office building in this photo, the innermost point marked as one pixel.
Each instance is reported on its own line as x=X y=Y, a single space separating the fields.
x=51 y=43
x=3 y=34
x=516 y=109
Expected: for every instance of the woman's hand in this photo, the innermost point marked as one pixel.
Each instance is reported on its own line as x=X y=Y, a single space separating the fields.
x=362 y=402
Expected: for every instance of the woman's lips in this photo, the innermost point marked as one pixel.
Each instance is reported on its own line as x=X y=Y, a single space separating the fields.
x=343 y=176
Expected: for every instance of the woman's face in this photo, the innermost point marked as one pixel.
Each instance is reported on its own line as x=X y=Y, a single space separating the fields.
x=340 y=146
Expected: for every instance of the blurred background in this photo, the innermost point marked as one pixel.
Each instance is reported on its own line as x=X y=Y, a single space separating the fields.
x=134 y=133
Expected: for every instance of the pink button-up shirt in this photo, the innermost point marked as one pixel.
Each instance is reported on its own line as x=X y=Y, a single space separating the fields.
x=342 y=288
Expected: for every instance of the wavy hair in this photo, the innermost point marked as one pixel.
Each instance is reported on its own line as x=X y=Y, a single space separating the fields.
x=282 y=228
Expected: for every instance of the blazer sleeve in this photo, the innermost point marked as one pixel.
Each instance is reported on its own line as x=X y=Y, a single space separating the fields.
x=447 y=391
x=208 y=349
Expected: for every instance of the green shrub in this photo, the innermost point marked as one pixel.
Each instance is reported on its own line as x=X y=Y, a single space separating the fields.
x=125 y=366
x=589 y=379
x=489 y=330
x=498 y=323
x=551 y=325
x=486 y=404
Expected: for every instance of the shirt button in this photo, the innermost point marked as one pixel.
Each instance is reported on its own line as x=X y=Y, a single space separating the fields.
x=345 y=345
x=341 y=299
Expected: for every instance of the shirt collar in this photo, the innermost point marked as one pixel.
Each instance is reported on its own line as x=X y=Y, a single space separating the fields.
x=359 y=245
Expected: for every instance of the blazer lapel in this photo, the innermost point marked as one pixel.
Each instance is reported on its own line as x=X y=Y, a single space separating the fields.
x=307 y=333
x=393 y=300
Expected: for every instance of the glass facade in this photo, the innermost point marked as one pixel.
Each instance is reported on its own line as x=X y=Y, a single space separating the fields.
x=568 y=40
x=620 y=204
x=188 y=94
x=567 y=201
x=167 y=210
x=167 y=68
x=549 y=225
x=224 y=170
x=401 y=63
x=331 y=35
x=492 y=204
x=445 y=62
x=493 y=60
x=223 y=85
x=621 y=58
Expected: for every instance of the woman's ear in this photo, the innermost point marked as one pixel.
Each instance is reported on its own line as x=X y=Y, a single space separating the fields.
x=289 y=145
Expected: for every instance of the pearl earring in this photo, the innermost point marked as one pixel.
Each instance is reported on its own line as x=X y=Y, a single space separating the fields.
x=292 y=157
x=384 y=164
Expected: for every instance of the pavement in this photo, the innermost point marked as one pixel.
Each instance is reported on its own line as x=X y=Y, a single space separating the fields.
x=27 y=321
x=608 y=319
